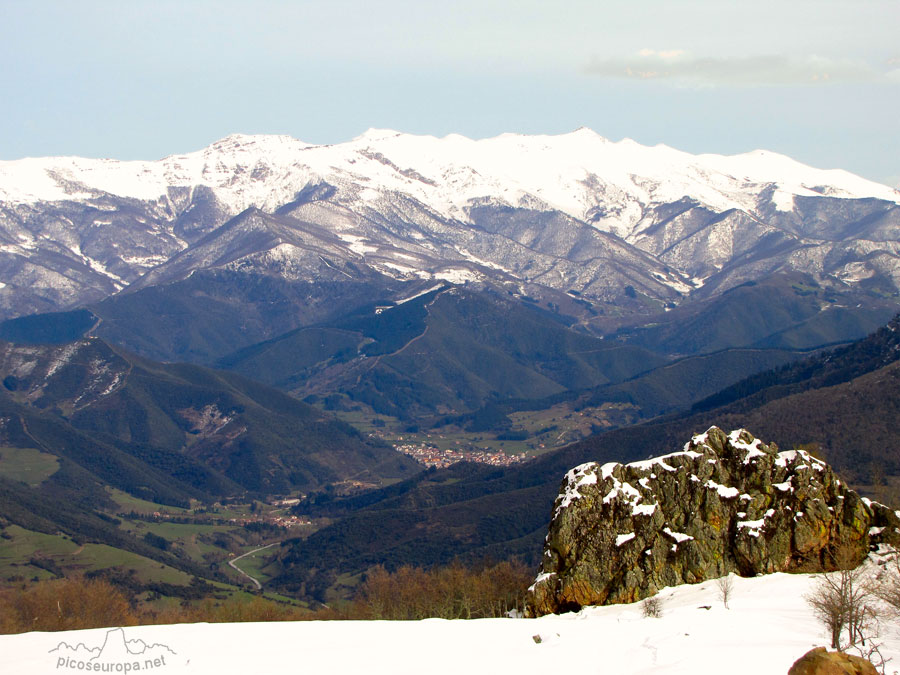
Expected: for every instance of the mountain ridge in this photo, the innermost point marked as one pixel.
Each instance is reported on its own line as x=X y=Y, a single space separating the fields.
x=638 y=228
x=186 y=169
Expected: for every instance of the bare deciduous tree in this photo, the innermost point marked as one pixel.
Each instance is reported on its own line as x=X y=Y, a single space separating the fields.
x=843 y=601
x=726 y=588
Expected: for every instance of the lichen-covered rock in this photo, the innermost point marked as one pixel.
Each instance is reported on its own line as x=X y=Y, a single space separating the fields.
x=820 y=661
x=726 y=503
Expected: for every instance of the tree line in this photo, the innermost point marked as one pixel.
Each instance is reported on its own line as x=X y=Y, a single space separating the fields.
x=455 y=591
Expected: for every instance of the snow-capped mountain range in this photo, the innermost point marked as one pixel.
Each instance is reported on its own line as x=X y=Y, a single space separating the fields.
x=575 y=213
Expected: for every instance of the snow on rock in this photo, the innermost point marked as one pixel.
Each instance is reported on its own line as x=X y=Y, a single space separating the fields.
x=679 y=537
x=540 y=579
x=624 y=538
x=725 y=503
x=576 y=478
x=784 y=487
x=623 y=490
x=752 y=448
x=661 y=461
x=754 y=527
x=643 y=509
x=724 y=491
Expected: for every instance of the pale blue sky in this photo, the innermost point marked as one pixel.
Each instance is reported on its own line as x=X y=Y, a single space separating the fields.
x=816 y=79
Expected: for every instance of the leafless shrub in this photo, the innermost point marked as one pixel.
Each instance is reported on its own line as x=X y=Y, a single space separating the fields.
x=844 y=603
x=652 y=607
x=64 y=604
x=872 y=653
x=885 y=584
x=452 y=592
x=725 y=585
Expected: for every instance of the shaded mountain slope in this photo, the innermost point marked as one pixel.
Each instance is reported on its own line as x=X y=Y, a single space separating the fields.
x=850 y=420
x=786 y=311
x=208 y=315
x=419 y=355
x=674 y=386
x=875 y=351
x=213 y=313
x=444 y=351
x=251 y=436
x=452 y=352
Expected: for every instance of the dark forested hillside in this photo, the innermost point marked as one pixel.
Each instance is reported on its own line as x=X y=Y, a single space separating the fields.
x=833 y=367
x=216 y=431
x=846 y=409
x=442 y=351
x=95 y=442
x=783 y=311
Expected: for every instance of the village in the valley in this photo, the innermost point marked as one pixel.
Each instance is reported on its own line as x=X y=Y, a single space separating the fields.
x=431 y=455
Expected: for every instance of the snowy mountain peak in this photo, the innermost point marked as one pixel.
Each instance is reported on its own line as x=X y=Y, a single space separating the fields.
x=374 y=135
x=573 y=172
x=253 y=141
x=410 y=204
x=585 y=131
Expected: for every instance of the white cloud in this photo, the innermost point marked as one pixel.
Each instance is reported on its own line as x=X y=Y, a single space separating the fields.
x=680 y=67
x=664 y=54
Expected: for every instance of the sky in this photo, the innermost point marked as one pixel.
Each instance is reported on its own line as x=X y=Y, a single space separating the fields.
x=818 y=80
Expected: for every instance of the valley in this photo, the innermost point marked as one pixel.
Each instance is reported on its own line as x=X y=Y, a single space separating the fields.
x=202 y=541
x=467 y=337
x=324 y=359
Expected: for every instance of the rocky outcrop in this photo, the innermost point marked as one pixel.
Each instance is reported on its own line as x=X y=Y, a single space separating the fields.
x=726 y=503
x=820 y=661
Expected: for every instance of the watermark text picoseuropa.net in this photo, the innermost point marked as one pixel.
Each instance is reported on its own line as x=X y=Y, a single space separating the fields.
x=117 y=654
x=69 y=663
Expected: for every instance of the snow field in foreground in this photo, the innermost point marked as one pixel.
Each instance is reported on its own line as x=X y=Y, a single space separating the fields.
x=768 y=627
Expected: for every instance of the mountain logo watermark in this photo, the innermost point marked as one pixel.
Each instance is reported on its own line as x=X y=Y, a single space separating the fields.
x=116 y=655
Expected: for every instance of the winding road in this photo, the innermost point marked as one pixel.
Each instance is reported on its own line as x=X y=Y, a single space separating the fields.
x=244 y=555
